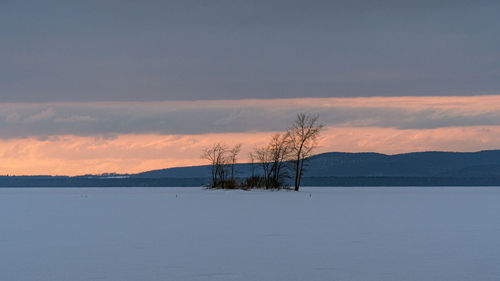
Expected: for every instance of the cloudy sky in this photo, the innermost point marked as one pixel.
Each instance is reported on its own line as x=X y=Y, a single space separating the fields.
x=126 y=86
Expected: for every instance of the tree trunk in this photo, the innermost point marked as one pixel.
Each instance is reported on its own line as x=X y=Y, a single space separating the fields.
x=300 y=172
x=297 y=165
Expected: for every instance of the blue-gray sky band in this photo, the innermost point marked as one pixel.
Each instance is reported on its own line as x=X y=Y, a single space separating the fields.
x=151 y=50
x=101 y=119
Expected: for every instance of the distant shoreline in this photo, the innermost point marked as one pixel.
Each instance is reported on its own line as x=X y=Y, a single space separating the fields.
x=433 y=168
x=56 y=181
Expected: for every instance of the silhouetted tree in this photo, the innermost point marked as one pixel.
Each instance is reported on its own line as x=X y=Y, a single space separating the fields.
x=233 y=155
x=273 y=158
x=216 y=154
x=280 y=150
x=263 y=155
x=251 y=156
x=303 y=137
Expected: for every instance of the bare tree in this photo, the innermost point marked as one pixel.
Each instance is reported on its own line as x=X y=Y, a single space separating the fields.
x=303 y=136
x=252 y=157
x=216 y=154
x=273 y=158
x=263 y=155
x=233 y=155
x=280 y=150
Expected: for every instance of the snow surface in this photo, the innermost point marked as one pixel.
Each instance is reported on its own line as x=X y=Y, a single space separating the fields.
x=140 y=234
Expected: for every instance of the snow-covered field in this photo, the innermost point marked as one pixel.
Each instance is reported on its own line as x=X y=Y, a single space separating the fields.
x=142 y=234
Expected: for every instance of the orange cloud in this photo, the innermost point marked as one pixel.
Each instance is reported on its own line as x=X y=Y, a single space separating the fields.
x=157 y=135
x=129 y=153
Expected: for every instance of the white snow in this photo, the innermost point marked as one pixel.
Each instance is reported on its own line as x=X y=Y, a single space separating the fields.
x=142 y=234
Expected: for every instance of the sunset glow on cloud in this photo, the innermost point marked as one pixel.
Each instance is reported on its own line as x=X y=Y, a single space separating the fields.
x=127 y=137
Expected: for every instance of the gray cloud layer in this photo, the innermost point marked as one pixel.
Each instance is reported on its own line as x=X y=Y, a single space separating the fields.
x=58 y=50
x=91 y=119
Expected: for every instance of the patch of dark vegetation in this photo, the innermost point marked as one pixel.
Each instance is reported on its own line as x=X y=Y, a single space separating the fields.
x=254 y=182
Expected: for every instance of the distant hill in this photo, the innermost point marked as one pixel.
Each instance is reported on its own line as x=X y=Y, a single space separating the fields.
x=339 y=164
x=433 y=168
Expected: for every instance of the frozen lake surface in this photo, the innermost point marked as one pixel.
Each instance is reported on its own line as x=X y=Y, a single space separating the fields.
x=142 y=234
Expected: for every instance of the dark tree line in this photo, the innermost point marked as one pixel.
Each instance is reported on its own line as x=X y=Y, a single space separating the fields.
x=282 y=159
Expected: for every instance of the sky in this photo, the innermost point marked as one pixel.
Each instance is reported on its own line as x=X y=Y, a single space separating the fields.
x=128 y=86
